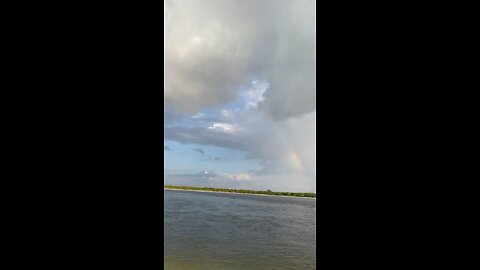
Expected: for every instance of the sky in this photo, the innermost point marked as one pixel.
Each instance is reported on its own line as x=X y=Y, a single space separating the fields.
x=239 y=94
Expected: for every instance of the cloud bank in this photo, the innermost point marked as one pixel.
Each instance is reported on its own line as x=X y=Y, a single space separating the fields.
x=260 y=54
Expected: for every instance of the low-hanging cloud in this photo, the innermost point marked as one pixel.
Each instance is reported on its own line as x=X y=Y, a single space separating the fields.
x=199 y=150
x=286 y=148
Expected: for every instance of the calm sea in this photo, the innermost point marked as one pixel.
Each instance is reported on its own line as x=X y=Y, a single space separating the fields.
x=238 y=231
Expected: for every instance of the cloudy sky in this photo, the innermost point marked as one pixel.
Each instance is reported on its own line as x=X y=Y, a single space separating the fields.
x=239 y=94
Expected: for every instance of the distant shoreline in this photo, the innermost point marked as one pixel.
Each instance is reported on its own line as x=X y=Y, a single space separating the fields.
x=211 y=191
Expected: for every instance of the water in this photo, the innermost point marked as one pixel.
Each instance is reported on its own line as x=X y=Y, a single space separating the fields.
x=238 y=231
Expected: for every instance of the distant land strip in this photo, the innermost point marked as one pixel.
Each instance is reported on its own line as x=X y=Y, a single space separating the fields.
x=246 y=191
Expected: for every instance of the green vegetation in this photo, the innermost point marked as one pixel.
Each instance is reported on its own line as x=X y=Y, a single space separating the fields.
x=267 y=192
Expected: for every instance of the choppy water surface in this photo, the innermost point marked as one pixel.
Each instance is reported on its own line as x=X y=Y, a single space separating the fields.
x=238 y=231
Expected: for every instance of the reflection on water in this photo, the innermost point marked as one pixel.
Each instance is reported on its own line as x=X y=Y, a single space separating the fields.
x=238 y=231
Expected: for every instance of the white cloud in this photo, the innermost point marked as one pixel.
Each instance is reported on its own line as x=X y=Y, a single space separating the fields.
x=198 y=115
x=223 y=127
x=233 y=177
x=253 y=95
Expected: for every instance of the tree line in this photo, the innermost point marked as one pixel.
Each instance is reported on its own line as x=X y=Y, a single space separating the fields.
x=264 y=192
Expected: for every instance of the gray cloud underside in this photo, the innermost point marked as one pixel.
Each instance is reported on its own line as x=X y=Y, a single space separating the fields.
x=199 y=150
x=214 y=46
x=203 y=136
x=284 y=147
